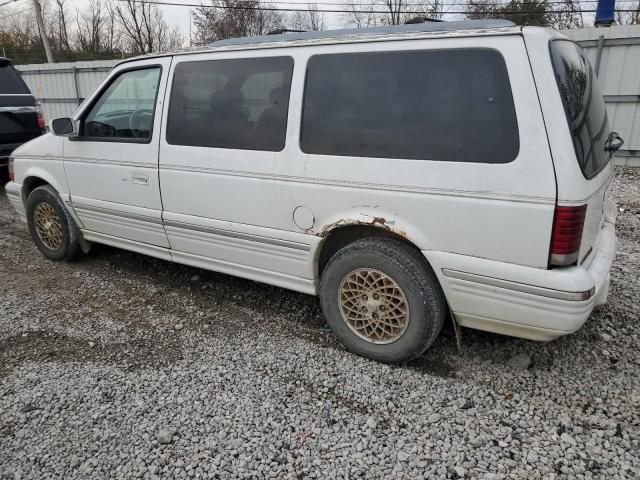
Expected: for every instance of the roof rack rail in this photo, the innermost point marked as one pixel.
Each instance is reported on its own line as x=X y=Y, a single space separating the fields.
x=279 y=31
x=424 y=27
x=414 y=20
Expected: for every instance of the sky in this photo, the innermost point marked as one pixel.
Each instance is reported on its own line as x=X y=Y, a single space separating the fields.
x=179 y=16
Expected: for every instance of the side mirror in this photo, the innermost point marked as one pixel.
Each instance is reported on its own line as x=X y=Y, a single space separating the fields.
x=66 y=127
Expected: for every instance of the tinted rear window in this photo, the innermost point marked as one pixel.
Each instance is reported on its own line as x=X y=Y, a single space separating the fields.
x=583 y=105
x=238 y=103
x=450 y=105
x=10 y=81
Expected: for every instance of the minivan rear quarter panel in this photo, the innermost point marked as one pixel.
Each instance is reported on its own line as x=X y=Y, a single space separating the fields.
x=573 y=187
x=492 y=211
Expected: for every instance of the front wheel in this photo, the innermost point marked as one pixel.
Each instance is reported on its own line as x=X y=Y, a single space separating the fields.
x=382 y=300
x=52 y=228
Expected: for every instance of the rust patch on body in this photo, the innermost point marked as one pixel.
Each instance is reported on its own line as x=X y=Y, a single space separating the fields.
x=379 y=222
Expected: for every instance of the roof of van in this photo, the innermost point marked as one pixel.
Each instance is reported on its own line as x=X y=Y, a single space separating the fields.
x=466 y=27
x=386 y=30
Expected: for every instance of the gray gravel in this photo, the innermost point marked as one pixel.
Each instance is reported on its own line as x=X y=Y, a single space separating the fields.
x=122 y=366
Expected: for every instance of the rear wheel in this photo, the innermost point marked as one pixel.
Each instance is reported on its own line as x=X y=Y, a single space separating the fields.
x=52 y=228
x=382 y=300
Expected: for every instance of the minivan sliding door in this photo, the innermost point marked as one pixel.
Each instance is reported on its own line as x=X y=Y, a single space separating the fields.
x=224 y=162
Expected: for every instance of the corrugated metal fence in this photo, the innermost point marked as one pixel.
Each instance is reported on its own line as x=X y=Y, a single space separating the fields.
x=614 y=52
x=61 y=87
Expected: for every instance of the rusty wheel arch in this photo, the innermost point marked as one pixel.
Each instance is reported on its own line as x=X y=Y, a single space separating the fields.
x=341 y=234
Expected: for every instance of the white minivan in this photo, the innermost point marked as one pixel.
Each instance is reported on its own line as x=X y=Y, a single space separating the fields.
x=404 y=174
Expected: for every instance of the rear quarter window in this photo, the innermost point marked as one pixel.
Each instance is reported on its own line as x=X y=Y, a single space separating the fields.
x=583 y=105
x=10 y=81
x=448 y=105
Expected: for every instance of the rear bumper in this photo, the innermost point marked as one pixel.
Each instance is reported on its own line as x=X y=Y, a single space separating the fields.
x=523 y=301
x=14 y=194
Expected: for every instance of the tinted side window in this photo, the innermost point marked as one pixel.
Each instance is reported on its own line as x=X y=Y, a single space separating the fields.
x=452 y=105
x=239 y=103
x=10 y=81
x=125 y=109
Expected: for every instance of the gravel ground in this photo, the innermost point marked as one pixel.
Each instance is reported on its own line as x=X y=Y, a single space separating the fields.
x=122 y=366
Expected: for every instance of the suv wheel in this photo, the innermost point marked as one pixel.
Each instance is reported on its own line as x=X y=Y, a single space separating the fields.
x=382 y=300
x=52 y=228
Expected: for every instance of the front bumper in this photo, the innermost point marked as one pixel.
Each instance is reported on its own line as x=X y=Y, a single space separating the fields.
x=14 y=194
x=523 y=301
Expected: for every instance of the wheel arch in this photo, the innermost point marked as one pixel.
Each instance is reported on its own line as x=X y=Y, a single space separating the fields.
x=36 y=177
x=340 y=234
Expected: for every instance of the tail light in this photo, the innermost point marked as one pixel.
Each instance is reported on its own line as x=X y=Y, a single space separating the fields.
x=12 y=175
x=566 y=236
x=41 y=123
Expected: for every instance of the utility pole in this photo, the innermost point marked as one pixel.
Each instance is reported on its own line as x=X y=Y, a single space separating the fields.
x=43 y=33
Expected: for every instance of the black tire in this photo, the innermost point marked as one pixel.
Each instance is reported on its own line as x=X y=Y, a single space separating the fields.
x=4 y=174
x=70 y=247
x=411 y=272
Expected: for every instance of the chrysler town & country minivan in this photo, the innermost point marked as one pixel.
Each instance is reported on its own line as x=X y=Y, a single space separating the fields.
x=404 y=174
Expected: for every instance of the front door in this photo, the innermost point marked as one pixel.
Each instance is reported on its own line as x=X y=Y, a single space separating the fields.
x=112 y=166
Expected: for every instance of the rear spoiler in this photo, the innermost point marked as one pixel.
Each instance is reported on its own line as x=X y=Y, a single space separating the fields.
x=4 y=61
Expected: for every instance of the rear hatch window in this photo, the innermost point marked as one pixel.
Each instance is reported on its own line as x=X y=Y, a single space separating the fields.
x=10 y=81
x=583 y=105
x=18 y=115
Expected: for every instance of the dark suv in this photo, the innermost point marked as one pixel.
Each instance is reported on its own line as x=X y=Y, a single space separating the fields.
x=20 y=115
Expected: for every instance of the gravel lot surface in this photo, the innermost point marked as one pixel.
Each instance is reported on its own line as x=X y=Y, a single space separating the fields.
x=122 y=366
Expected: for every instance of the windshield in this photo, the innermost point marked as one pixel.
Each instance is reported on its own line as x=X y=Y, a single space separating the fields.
x=583 y=105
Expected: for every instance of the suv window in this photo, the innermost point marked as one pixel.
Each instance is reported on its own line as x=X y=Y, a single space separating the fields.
x=239 y=103
x=126 y=108
x=453 y=105
x=10 y=81
x=583 y=105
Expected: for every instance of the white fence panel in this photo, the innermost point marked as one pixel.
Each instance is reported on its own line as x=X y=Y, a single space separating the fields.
x=61 y=87
x=614 y=53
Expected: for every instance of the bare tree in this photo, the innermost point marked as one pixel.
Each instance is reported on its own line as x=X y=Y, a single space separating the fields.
x=90 y=25
x=360 y=16
x=527 y=12
x=144 y=27
x=19 y=36
x=395 y=12
x=235 y=18
x=311 y=20
x=561 y=15
x=567 y=15
x=61 y=27
x=629 y=18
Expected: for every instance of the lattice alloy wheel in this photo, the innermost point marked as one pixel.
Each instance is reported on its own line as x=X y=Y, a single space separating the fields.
x=48 y=226
x=373 y=306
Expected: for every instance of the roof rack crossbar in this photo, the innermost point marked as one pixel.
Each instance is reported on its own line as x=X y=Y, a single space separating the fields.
x=414 y=20
x=280 y=31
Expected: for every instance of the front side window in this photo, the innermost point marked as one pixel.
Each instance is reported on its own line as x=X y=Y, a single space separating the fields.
x=126 y=108
x=450 y=105
x=238 y=103
x=583 y=104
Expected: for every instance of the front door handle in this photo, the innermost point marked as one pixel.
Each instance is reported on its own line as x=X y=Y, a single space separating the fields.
x=140 y=179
